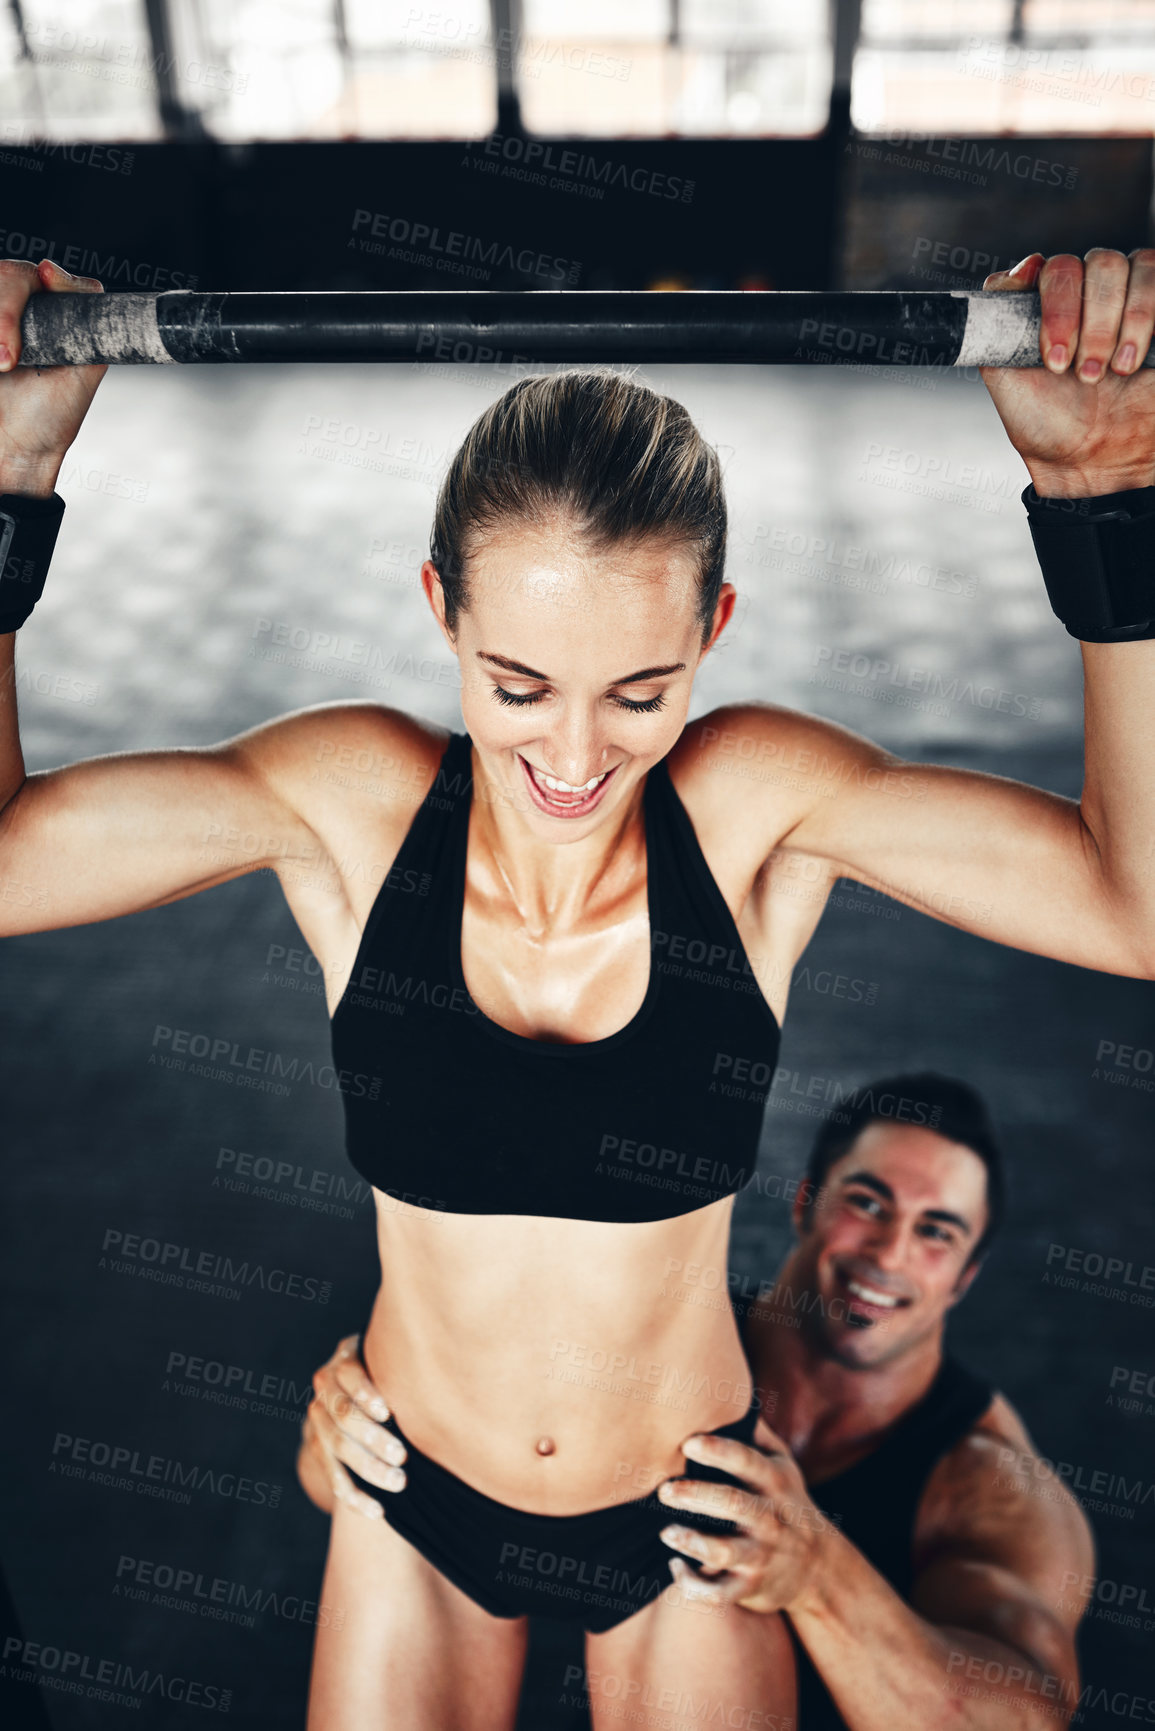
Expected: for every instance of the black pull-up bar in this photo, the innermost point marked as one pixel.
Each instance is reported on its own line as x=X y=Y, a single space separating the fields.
x=893 y=327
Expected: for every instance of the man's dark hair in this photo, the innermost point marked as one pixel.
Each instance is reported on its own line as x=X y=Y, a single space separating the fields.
x=950 y=1108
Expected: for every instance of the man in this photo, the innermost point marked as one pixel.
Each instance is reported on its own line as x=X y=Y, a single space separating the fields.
x=898 y=1512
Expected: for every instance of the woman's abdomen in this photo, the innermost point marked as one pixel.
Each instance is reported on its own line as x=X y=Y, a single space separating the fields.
x=555 y=1365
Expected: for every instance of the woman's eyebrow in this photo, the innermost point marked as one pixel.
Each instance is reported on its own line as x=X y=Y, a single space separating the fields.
x=626 y=679
x=511 y=666
x=649 y=673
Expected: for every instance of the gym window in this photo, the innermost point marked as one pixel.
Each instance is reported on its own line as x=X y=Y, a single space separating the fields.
x=644 y=68
x=945 y=67
x=444 y=69
x=247 y=69
x=77 y=69
x=295 y=69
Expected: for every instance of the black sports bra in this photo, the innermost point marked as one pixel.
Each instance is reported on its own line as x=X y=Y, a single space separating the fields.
x=446 y=1109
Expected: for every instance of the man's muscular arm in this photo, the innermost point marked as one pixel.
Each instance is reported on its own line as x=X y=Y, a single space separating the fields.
x=987 y=1641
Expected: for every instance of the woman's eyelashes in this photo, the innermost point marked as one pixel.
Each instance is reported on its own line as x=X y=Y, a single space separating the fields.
x=515 y=701
x=649 y=707
x=512 y=698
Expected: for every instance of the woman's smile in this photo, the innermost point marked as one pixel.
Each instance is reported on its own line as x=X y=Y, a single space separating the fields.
x=559 y=798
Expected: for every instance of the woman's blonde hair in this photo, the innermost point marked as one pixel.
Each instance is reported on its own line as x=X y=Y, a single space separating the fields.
x=621 y=461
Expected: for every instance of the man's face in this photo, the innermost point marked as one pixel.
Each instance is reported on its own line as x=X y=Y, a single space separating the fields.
x=886 y=1245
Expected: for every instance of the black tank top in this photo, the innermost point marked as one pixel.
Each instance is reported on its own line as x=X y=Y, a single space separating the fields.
x=446 y=1109
x=876 y=1502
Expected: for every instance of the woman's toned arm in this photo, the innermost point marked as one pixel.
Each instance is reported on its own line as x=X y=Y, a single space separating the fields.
x=117 y=834
x=1074 y=880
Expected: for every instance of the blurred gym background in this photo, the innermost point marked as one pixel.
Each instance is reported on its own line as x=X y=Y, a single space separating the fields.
x=240 y=542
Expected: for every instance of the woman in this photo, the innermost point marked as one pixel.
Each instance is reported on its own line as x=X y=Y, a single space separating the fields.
x=578 y=936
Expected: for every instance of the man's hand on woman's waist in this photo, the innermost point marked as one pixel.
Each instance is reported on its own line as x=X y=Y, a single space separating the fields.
x=769 y=1563
x=344 y=1424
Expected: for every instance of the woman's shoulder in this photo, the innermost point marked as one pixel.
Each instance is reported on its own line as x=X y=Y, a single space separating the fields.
x=742 y=748
x=354 y=749
x=748 y=773
x=756 y=731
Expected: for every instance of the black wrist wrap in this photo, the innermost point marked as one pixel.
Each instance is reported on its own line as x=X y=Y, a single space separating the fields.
x=28 y=531
x=1098 y=562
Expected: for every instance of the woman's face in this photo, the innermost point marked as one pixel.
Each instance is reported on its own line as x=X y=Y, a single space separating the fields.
x=576 y=667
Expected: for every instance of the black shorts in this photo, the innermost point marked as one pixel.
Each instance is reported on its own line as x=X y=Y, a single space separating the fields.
x=596 y=1568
